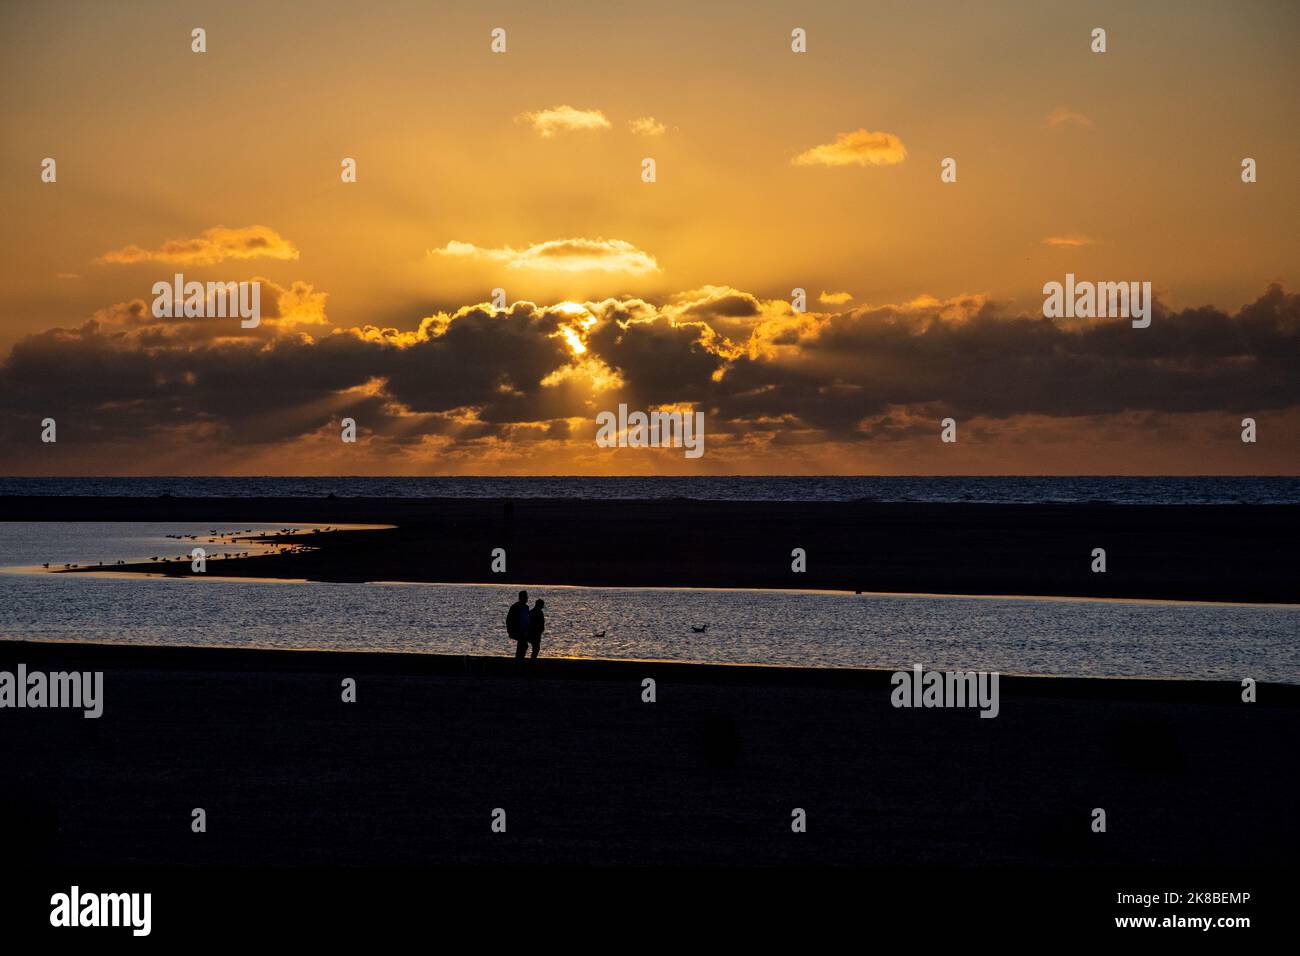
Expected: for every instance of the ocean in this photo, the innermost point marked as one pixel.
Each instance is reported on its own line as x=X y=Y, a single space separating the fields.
x=821 y=629
x=996 y=490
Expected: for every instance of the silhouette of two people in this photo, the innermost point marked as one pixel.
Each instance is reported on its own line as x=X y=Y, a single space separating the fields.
x=524 y=625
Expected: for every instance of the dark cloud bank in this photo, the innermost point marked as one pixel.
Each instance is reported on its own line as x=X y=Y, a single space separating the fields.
x=757 y=370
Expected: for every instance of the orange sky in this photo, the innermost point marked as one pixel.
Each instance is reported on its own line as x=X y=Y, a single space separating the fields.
x=775 y=171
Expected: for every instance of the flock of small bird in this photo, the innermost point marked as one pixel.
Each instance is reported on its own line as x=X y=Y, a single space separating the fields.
x=221 y=537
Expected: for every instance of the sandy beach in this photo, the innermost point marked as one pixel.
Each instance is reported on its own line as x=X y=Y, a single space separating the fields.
x=588 y=773
x=1180 y=552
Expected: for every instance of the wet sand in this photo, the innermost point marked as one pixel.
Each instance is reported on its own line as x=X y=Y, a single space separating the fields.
x=1179 y=552
x=590 y=774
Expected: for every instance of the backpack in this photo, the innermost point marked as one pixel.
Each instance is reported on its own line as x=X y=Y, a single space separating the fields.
x=512 y=619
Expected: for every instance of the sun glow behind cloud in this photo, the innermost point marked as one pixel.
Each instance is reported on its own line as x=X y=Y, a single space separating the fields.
x=484 y=387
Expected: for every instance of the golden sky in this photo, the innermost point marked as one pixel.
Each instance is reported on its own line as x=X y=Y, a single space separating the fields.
x=774 y=171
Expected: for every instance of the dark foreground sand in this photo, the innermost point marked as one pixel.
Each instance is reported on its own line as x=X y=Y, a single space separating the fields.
x=588 y=773
x=1188 y=552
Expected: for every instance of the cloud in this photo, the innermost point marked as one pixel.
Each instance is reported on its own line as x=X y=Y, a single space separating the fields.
x=559 y=255
x=563 y=119
x=1072 y=241
x=479 y=385
x=213 y=246
x=835 y=298
x=647 y=126
x=860 y=148
x=1064 y=116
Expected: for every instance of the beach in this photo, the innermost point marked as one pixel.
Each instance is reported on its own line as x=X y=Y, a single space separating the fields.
x=587 y=772
x=1239 y=553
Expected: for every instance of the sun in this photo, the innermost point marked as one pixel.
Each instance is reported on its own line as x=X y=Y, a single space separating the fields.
x=576 y=345
x=573 y=333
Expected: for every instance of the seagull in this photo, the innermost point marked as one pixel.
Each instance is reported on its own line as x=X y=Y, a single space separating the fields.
x=601 y=634
x=701 y=629
x=46 y=564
